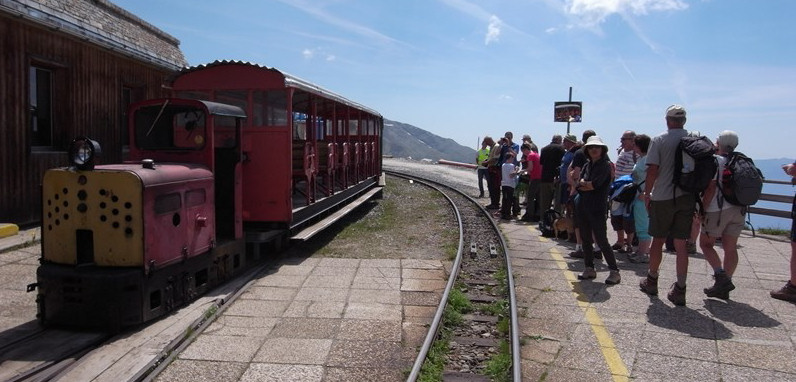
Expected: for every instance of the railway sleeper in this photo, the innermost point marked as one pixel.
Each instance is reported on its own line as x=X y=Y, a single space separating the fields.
x=450 y=376
x=477 y=341
x=482 y=282
x=481 y=298
x=480 y=318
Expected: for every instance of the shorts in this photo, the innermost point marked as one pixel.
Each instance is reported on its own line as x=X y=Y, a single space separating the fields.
x=793 y=221
x=629 y=225
x=729 y=222
x=672 y=217
x=617 y=222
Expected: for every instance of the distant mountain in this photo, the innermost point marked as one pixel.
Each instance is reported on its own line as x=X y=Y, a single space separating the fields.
x=403 y=140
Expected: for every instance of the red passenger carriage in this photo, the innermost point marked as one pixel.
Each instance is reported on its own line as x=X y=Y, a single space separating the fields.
x=302 y=145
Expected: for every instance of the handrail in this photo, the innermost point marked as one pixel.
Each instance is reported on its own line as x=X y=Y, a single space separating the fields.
x=787 y=199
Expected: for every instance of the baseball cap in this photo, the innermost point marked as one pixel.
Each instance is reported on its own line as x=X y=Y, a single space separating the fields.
x=676 y=111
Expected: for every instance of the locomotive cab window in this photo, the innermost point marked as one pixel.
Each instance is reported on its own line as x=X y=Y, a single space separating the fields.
x=161 y=127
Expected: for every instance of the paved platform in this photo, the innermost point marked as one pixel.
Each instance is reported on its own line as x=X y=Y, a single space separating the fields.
x=312 y=319
x=586 y=330
x=319 y=319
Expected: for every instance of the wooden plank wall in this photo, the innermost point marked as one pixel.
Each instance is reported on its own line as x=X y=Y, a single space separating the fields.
x=88 y=83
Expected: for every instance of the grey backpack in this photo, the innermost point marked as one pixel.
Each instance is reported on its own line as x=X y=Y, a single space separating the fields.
x=741 y=181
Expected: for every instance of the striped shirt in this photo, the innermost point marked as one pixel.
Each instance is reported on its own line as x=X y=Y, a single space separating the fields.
x=625 y=162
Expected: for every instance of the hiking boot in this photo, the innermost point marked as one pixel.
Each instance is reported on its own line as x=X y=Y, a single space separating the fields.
x=638 y=258
x=786 y=293
x=649 y=285
x=578 y=254
x=588 y=274
x=627 y=249
x=721 y=287
x=691 y=247
x=677 y=295
x=613 y=278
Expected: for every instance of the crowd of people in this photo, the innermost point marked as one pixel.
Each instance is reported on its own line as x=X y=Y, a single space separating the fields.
x=575 y=177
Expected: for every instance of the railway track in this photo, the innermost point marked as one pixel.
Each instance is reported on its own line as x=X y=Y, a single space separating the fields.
x=44 y=353
x=482 y=343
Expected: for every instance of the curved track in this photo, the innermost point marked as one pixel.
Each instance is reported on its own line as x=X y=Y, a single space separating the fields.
x=480 y=255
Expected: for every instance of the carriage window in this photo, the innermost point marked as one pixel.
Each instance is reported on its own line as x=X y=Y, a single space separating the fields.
x=300 y=126
x=169 y=127
x=353 y=127
x=269 y=109
x=233 y=97
x=190 y=129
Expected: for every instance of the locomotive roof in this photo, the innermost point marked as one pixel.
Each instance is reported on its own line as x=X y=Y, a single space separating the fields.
x=290 y=81
x=224 y=109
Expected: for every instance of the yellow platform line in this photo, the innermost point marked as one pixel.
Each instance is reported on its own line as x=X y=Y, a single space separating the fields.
x=611 y=354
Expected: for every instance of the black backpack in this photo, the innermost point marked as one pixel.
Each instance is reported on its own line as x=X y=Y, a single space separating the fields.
x=546 y=223
x=741 y=181
x=694 y=164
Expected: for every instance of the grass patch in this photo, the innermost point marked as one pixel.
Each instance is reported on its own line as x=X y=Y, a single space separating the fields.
x=381 y=222
x=496 y=308
x=774 y=231
x=433 y=367
x=459 y=302
x=499 y=366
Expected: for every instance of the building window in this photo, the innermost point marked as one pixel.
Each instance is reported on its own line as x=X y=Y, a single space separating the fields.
x=41 y=110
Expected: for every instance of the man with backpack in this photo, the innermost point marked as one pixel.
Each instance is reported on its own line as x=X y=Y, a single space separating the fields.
x=671 y=209
x=721 y=219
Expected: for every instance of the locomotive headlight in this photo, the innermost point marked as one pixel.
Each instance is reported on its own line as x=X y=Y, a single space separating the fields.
x=83 y=153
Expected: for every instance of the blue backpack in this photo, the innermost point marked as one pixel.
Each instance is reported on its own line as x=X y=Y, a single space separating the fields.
x=618 y=185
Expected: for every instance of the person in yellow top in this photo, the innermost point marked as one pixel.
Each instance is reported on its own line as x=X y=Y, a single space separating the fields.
x=480 y=160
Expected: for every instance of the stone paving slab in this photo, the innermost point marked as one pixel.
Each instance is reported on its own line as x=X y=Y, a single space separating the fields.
x=576 y=330
x=320 y=320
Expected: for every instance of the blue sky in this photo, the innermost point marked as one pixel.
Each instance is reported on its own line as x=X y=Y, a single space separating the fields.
x=463 y=69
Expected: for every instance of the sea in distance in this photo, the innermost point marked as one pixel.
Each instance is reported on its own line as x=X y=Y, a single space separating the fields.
x=772 y=170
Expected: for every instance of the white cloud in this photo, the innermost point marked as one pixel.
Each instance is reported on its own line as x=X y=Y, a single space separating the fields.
x=493 y=30
x=591 y=13
x=310 y=54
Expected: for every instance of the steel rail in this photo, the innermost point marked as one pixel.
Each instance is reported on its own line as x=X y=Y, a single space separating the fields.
x=435 y=325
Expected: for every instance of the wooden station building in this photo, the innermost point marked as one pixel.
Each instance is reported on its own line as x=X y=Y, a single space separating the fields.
x=70 y=68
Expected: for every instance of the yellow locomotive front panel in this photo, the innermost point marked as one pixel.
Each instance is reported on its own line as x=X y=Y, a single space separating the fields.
x=92 y=217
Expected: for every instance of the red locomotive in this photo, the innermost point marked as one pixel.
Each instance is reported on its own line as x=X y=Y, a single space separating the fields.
x=242 y=157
